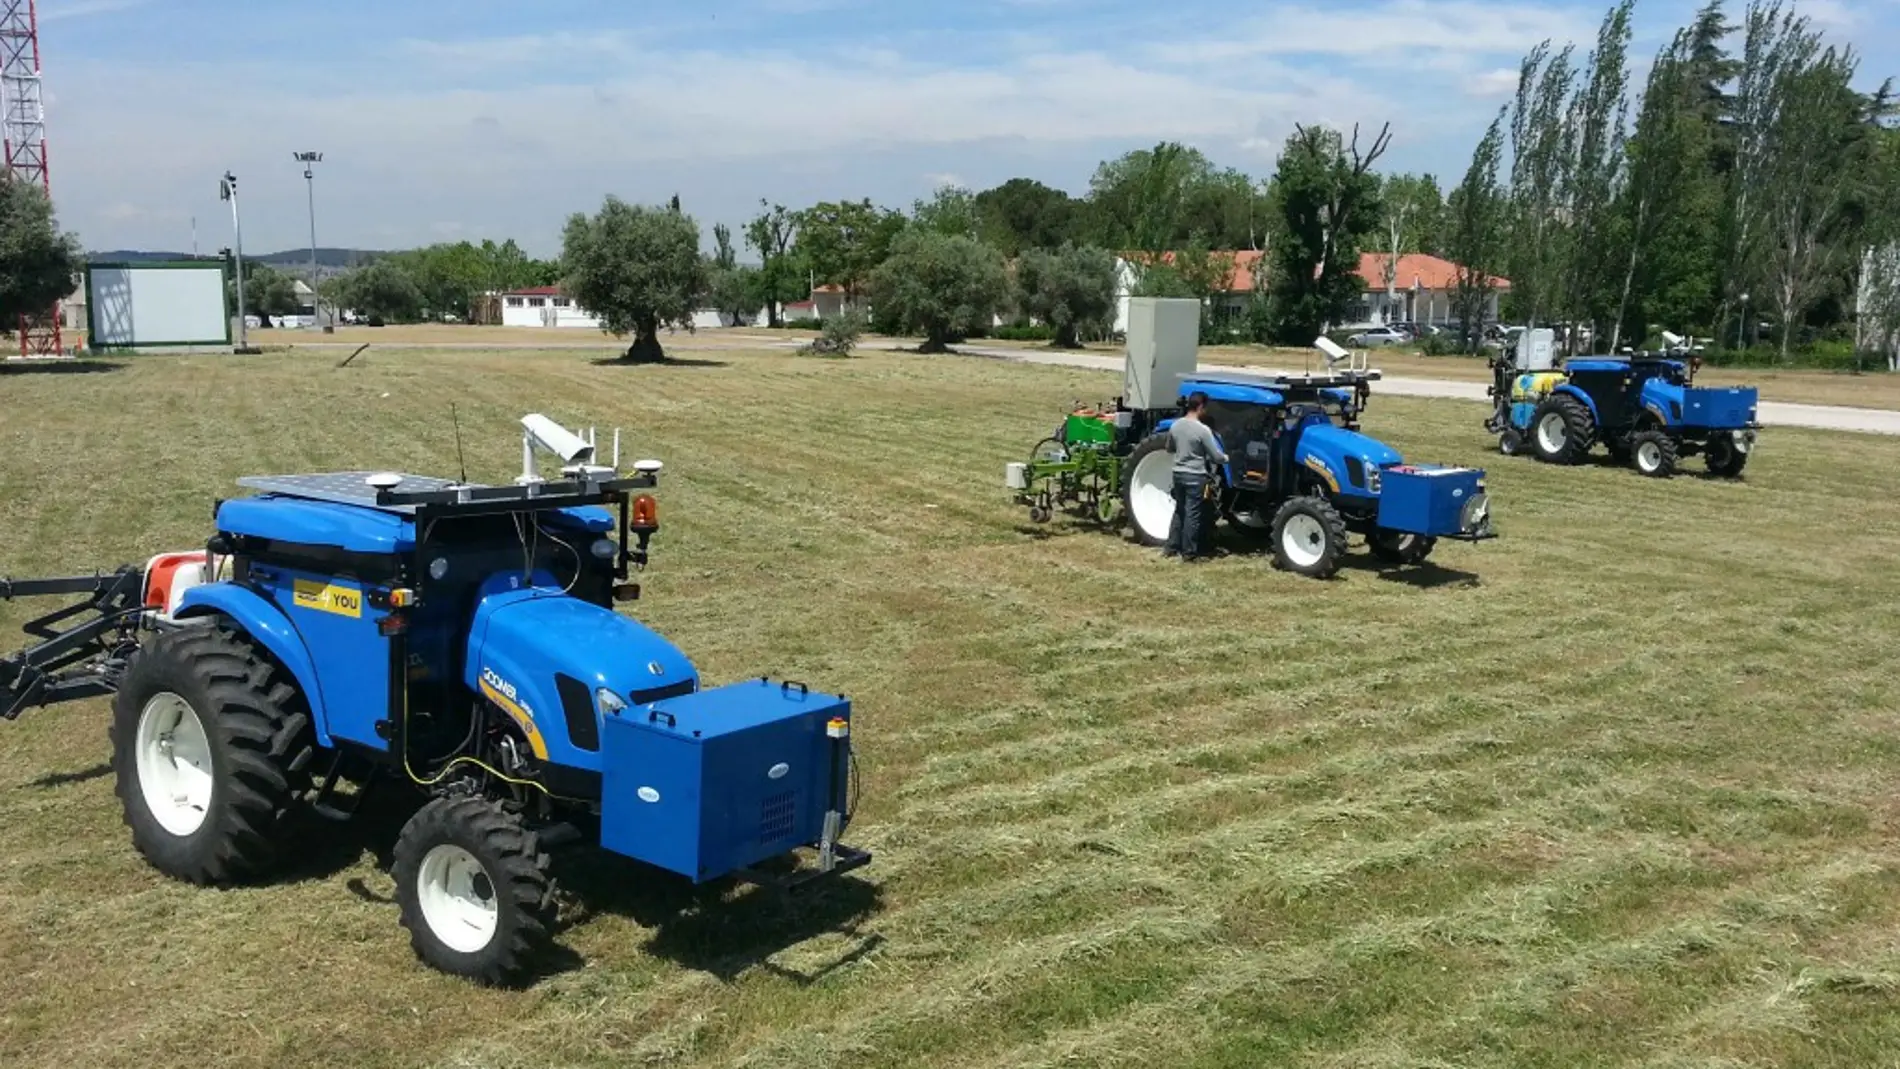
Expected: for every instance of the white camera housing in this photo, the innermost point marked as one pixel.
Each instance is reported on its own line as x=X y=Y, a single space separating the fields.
x=1335 y=355
x=556 y=439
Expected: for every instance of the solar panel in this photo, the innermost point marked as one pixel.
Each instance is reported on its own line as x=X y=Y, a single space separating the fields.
x=343 y=487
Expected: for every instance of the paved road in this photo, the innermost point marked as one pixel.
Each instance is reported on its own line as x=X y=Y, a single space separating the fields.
x=1771 y=413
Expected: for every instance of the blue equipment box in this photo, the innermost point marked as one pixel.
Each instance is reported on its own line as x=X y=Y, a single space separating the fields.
x=709 y=783
x=1719 y=408
x=1427 y=499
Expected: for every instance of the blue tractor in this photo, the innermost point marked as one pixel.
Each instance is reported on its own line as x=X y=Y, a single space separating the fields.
x=344 y=630
x=1646 y=410
x=1300 y=475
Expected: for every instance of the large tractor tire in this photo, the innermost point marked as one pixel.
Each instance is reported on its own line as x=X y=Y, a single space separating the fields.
x=1401 y=547
x=472 y=887
x=1309 y=537
x=1724 y=458
x=1562 y=430
x=1148 y=490
x=210 y=742
x=1654 y=453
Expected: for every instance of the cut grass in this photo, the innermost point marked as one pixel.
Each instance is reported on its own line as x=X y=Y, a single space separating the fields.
x=1615 y=789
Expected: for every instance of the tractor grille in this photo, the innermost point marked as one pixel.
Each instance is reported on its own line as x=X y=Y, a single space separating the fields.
x=660 y=694
x=777 y=817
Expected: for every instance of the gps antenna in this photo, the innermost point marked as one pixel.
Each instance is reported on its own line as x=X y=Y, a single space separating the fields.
x=461 y=463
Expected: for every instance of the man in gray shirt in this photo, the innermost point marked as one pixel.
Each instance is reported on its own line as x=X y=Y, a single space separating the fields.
x=1197 y=455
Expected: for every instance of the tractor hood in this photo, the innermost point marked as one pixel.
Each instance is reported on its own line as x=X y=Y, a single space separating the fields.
x=1336 y=454
x=543 y=657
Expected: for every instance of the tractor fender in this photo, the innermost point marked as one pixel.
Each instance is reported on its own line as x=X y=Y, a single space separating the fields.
x=1324 y=450
x=541 y=657
x=1572 y=390
x=264 y=623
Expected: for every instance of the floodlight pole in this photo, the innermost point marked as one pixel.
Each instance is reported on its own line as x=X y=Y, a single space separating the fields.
x=228 y=190
x=309 y=161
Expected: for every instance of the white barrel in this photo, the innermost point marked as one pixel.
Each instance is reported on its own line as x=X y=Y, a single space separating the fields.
x=1016 y=476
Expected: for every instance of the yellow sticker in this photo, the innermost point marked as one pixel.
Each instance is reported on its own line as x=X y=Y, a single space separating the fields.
x=328 y=597
x=1319 y=465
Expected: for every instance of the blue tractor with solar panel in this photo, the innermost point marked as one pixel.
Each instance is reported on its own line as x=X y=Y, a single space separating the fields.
x=1645 y=409
x=344 y=630
x=1300 y=475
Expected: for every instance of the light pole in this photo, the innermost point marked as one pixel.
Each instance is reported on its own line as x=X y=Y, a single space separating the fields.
x=227 y=190
x=1741 y=324
x=309 y=161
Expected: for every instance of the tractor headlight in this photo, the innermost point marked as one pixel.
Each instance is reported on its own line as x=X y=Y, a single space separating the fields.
x=604 y=549
x=611 y=704
x=1372 y=478
x=1477 y=513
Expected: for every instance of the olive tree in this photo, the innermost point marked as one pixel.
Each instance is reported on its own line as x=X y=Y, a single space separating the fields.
x=939 y=285
x=1067 y=288
x=637 y=268
x=38 y=264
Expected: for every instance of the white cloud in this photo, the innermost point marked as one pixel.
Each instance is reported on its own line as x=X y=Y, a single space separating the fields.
x=58 y=10
x=428 y=130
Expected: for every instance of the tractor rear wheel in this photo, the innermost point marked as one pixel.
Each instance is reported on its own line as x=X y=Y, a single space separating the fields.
x=1401 y=547
x=1309 y=537
x=472 y=887
x=1148 y=490
x=209 y=745
x=1725 y=459
x=1654 y=453
x=1562 y=430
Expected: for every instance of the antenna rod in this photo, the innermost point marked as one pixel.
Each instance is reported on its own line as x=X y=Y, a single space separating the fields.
x=459 y=460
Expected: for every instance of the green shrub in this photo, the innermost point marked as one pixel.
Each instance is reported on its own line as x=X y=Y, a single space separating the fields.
x=1024 y=332
x=841 y=335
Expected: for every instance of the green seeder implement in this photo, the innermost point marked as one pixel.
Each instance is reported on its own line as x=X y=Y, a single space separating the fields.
x=1077 y=468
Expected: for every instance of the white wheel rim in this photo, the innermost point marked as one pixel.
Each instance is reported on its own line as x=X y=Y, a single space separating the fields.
x=457 y=898
x=174 y=764
x=1151 y=495
x=1402 y=543
x=1552 y=433
x=1649 y=456
x=1303 y=540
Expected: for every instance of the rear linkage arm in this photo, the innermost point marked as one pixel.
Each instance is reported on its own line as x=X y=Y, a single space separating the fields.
x=72 y=660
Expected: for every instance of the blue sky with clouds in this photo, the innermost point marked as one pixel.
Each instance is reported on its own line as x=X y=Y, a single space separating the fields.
x=449 y=119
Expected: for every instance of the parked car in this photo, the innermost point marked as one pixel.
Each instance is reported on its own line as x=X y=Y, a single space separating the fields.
x=1377 y=336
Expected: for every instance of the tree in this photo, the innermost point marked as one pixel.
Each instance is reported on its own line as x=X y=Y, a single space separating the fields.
x=1330 y=200
x=1412 y=209
x=1025 y=214
x=1140 y=201
x=732 y=290
x=267 y=291
x=1068 y=288
x=1540 y=165
x=39 y=266
x=843 y=242
x=940 y=286
x=382 y=289
x=1597 y=119
x=951 y=210
x=772 y=234
x=1474 y=233
x=1816 y=164
x=637 y=268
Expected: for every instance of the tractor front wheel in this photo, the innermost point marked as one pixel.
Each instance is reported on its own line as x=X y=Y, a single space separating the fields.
x=1510 y=441
x=1309 y=537
x=1562 y=430
x=473 y=890
x=209 y=746
x=1654 y=453
x=1148 y=490
x=1725 y=458
x=1401 y=547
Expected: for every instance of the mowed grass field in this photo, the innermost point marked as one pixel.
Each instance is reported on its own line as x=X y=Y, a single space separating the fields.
x=1617 y=789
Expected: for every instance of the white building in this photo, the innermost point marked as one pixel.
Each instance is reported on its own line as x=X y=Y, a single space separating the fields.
x=543 y=306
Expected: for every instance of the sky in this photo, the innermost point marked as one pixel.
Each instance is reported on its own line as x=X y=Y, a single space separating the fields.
x=443 y=120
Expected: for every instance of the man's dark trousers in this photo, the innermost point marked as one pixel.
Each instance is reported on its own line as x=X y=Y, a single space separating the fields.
x=1187 y=535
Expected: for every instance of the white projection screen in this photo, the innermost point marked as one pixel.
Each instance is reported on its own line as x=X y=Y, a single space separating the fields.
x=144 y=305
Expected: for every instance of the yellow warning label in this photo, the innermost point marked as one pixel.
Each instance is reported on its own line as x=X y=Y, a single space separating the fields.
x=328 y=597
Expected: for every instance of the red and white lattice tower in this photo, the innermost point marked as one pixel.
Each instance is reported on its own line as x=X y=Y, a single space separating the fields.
x=23 y=113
